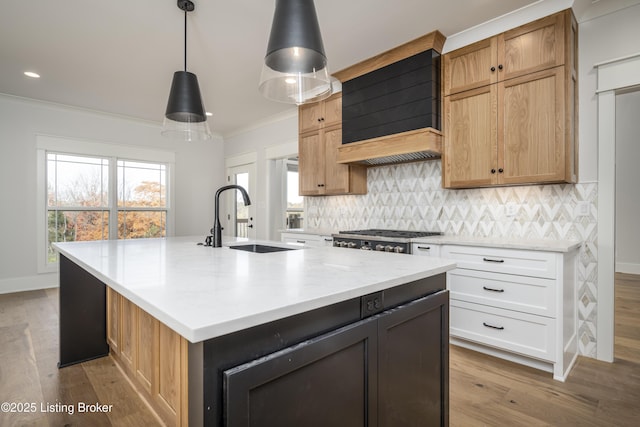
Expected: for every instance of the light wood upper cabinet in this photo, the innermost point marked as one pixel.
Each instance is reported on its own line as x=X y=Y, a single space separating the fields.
x=533 y=47
x=531 y=128
x=515 y=121
x=536 y=46
x=313 y=117
x=320 y=135
x=470 y=121
x=470 y=67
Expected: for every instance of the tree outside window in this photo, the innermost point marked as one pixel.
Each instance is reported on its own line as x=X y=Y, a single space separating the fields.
x=80 y=203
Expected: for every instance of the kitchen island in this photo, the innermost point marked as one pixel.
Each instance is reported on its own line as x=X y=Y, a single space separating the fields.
x=218 y=336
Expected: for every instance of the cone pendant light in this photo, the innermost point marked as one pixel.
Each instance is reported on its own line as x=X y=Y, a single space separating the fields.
x=295 y=66
x=185 y=116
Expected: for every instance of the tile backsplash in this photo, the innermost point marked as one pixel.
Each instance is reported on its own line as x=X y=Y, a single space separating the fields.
x=410 y=197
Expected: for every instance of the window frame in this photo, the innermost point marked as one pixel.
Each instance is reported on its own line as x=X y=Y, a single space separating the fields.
x=114 y=152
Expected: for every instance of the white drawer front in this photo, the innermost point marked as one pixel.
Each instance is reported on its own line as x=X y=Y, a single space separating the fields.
x=511 y=261
x=505 y=329
x=526 y=294
x=304 y=239
x=425 y=249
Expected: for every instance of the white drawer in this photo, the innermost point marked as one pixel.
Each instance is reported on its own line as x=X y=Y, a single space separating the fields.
x=521 y=293
x=425 y=249
x=511 y=261
x=307 y=239
x=521 y=333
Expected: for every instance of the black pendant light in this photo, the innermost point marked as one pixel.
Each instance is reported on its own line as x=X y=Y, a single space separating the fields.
x=295 y=67
x=185 y=117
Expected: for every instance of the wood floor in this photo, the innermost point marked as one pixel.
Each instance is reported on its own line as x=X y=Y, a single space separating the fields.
x=485 y=391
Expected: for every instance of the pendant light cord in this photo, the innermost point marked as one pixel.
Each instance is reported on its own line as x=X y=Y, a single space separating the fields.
x=185 y=40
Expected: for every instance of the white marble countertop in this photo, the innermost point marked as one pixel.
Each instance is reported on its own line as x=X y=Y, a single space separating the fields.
x=202 y=292
x=510 y=243
x=507 y=243
x=315 y=231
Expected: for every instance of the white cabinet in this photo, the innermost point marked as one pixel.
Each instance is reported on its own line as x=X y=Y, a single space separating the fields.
x=516 y=304
x=425 y=249
x=307 y=239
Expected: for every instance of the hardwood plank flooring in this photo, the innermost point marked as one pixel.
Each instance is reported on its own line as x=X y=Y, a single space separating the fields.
x=485 y=391
x=29 y=372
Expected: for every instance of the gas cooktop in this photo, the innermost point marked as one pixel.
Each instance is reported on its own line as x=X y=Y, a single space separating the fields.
x=398 y=234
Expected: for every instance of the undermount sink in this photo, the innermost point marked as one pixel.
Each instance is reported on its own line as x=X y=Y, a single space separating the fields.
x=260 y=249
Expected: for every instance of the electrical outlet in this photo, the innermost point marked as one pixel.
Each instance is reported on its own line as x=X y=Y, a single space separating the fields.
x=583 y=209
x=371 y=304
x=511 y=209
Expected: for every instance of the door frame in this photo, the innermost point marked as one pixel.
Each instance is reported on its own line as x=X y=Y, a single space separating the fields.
x=614 y=76
x=248 y=162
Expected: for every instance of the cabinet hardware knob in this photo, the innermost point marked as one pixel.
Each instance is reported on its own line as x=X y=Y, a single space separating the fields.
x=500 y=328
x=500 y=170
x=319 y=120
x=493 y=260
x=500 y=67
x=492 y=289
x=493 y=171
x=493 y=69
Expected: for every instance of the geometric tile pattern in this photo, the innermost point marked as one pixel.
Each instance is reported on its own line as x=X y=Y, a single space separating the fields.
x=410 y=197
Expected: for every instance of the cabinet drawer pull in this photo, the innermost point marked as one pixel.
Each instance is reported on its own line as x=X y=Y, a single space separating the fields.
x=301 y=241
x=424 y=248
x=328 y=240
x=492 y=289
x=500 y=328
x=493 y=260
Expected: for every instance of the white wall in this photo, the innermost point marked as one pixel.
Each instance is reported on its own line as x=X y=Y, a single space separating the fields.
x=607 y=37
x=262 y=139
x=627 y=180
x=198 y=171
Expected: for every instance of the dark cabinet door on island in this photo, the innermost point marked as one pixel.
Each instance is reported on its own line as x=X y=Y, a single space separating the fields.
x=387 y=370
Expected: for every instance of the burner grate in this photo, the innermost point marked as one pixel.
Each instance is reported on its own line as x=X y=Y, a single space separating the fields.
x=404 y=234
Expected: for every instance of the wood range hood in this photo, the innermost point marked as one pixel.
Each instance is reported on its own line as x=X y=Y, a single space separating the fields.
x=378 y=102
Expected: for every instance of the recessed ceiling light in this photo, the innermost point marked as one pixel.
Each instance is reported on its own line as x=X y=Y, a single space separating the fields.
x=32 y=74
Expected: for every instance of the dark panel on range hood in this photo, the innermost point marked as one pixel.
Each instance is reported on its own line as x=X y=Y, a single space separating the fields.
x=400 y=97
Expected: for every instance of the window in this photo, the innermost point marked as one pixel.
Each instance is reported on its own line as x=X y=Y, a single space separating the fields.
x=142 y=199
x=77 y=199
x=87 y=196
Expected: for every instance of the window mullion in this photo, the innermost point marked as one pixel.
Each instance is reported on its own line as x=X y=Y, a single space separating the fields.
x=113 y=198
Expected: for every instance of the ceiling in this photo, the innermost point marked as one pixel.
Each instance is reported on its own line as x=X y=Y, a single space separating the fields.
x=119 y=56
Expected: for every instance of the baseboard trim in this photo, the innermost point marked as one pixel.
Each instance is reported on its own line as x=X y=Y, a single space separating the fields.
x=29 y=283
x=627 y=268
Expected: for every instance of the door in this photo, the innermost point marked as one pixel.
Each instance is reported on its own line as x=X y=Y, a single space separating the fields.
x=311 y=164
x=471 y=67
x=329 y=380
x=240 y=219
x=531 y=128
x=336 y=175
x=413 y=363
x=470 y=157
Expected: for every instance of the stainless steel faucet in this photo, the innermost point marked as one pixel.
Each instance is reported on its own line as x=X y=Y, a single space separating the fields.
x=215 y=239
